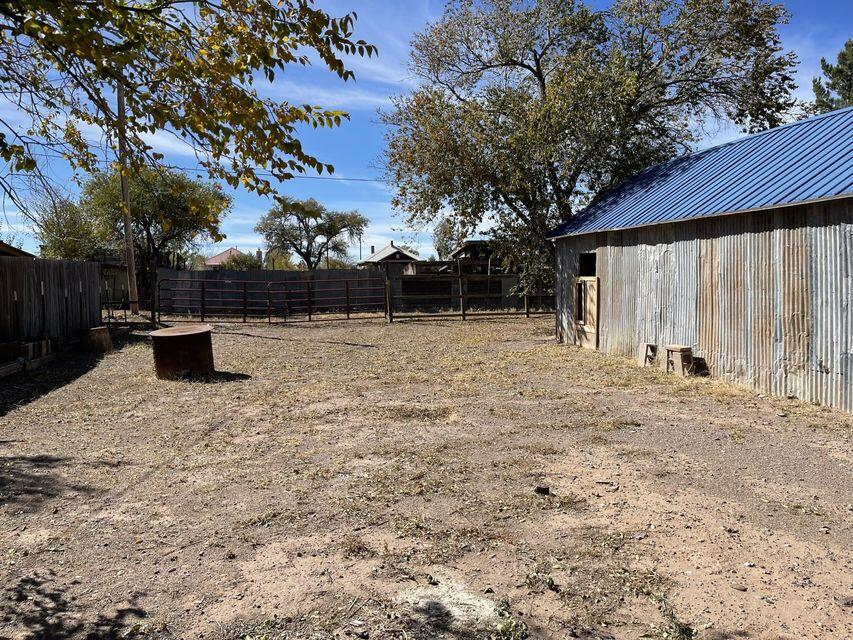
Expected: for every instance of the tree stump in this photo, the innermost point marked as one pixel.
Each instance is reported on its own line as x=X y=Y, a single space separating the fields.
x=181 y=352
x=98 y=340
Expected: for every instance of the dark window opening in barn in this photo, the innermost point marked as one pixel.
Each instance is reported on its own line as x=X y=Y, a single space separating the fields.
x=586 y=264
x=580 y=310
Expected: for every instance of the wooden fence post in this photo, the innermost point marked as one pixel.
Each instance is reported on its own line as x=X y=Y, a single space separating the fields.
x=67 y=313
x=527 y=304
x=245 y=299
x=43 y=311
x=385 y=300
x=462 y=295
x=346 y=286
x=309 y=301
x=153 y=284
x=389 y=300
x=269 y=306
x=202 y=300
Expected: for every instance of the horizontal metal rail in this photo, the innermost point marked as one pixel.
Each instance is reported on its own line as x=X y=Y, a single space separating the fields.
x=287 y=299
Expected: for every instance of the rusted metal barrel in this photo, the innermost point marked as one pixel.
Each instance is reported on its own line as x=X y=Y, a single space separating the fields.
x=183 y=351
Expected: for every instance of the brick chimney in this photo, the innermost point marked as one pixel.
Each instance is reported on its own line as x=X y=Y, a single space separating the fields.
x=372 y=249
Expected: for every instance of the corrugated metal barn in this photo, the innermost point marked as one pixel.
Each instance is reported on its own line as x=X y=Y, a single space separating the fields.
x=743 y=251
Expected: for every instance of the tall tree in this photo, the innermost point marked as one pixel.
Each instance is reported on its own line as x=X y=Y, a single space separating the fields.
x=309 y=230
x=278 y=259
x=67 y=231
x=191 y=68
x=529 y=108
x=447 y=235
x=838 y=90
x=172 y=215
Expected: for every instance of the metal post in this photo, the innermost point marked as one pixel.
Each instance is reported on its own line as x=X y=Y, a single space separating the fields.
x=389 y=300
x=67 y=319
x=245 y=299
x=527 y=305
x=346 y=286
x=43 y=312
x=309 y=301
x=269 y=306
x=160 y=300
x=385 y=301
x=462 y=295
x=152 y=282
x=202 y=300
x=80 y=293
x=286 y=302
x=17 y=313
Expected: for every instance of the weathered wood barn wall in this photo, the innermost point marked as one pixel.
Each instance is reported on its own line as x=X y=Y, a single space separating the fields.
x=766 y=298
x=47 y=298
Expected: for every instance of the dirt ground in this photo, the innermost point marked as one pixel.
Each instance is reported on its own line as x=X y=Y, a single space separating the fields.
x=420 y=480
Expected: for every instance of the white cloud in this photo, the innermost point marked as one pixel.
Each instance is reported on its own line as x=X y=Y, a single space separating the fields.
x=347 y=96
x=169 y=143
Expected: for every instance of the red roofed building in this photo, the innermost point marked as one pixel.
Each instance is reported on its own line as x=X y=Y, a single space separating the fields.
x=217 y=261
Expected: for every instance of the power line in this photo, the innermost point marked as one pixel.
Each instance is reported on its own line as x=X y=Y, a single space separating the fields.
x=259 y=173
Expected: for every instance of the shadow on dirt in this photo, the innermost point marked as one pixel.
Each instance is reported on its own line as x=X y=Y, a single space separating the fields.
x=22 y=388
x=41 y=608
x=431 y=620
x=27 y=482
x=434 y=619
x=290 y=339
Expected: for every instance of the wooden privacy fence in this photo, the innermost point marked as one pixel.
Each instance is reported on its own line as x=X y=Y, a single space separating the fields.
x=255 y=294
x=47 y=298
x=237 y=296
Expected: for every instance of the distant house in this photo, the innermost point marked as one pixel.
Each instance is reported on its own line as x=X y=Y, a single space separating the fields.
x=219 y=260
x=114 y=284
x=475 y=257
x=472 y=250
x=390 y=255
x=7 y=250
x=743 y=252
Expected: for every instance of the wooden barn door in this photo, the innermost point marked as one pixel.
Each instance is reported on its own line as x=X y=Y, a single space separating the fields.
x=586 y=311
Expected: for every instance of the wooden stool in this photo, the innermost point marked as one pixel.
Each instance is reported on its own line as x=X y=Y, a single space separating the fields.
x=649 y=355
x=679 y=359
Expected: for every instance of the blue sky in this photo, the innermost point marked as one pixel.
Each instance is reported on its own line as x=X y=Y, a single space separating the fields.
x=817 y=28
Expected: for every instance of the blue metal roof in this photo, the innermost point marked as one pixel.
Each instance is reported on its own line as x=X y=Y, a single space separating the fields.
x=795 y=163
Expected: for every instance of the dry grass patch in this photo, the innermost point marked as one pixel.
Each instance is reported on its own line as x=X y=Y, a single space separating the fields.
x=353 y=463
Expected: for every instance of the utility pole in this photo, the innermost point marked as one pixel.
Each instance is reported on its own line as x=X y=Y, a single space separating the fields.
x=125 y=201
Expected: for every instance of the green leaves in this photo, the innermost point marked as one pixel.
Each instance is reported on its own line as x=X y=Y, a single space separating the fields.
x=308 y=229
x=171 y=214
x=838 y=91
x=527 y=111
x=187 y=68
